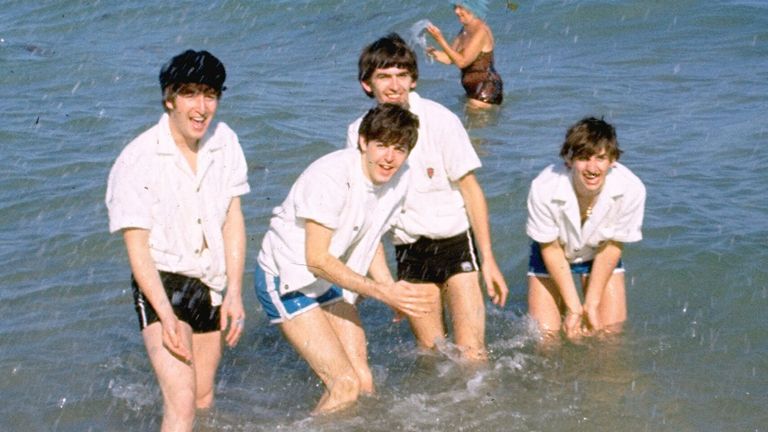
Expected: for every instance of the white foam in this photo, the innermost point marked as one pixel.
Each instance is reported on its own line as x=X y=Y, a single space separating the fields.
x=417 y=36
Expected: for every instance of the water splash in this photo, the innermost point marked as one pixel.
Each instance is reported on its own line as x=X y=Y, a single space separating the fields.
x=418 y=38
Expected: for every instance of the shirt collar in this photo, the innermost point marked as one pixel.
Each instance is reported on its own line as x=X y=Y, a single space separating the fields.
x=564 y=190
x=415 y=104
x=167 y=146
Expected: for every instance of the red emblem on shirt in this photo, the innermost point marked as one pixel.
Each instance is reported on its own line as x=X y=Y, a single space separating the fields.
x=430 y=172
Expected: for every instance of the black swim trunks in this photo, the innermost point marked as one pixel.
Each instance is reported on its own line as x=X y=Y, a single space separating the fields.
x=190 y=299
x=435 y=261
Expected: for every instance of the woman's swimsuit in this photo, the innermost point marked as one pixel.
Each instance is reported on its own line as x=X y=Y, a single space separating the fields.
x=481 y=81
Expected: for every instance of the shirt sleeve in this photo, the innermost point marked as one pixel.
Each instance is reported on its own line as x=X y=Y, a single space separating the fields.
x=628 y=225
x=320 y=194
x=353 y=133
x=238 y=184
x=130 y=194
x=541 y=225
x=459 y=156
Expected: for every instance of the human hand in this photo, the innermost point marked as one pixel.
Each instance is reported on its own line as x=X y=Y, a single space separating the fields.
x=495 y=285
x=411 y=300
x=572 y=325
x=232 y=316
x=592 y=319
x=435 y=32
x=173 y=340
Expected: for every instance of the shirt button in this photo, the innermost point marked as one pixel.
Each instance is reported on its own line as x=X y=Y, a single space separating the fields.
x=197 y=251
x=199 y=220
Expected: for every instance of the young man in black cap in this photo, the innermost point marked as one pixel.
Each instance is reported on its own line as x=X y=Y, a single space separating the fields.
x=174 y=192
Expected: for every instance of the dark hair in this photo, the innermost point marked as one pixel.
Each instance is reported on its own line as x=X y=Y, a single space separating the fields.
x=391 y=125
x=588 y=137
x=388 y=51
x=193 y=67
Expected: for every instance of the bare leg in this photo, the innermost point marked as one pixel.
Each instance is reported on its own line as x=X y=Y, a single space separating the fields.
x=429 y=328
x=206 y=352
x=345 y=321
x=544 y=304
x=176 y=379
x=613 y=304
x=467 y=307
x=315 y=340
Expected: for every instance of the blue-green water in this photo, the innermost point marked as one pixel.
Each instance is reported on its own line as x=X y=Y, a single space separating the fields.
x=685 y=83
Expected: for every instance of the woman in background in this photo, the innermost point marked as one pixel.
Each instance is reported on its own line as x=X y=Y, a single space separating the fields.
x=472 y=52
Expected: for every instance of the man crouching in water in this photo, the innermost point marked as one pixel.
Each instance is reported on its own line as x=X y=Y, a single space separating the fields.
x=322 y=242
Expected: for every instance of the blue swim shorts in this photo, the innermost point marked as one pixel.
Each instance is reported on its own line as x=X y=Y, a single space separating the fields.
x=536 y=265
x=281 y=308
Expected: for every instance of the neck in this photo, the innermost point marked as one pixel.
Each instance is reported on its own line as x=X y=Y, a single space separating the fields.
x=184 y=144
x=586 y=203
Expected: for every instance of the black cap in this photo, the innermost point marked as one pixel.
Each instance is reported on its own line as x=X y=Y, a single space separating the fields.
x=194 y=67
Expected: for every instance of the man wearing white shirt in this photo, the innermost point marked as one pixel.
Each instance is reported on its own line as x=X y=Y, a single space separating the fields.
x=322 y=242
x=174 y=193
x=444 y=222
x=580 y=214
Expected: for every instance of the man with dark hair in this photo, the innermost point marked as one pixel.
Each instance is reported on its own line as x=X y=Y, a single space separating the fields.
x=322 y=241
x=174 y=193
x=445 y=215
x=580 y=214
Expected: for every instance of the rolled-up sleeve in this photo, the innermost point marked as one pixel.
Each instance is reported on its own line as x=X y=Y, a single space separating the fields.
x=238 y=184
x=541 y=225
x=129 y=195
x=629 y=222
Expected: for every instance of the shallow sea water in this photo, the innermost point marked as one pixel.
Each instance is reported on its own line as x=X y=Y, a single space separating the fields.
x=684 y=82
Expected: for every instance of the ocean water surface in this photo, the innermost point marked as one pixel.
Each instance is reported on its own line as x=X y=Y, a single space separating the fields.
x=684 y=82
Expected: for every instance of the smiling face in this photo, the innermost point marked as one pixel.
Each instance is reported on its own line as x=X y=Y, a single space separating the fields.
x=588 y=173
x=381 y=161
x=463 y=14
x=390 y=85
x=190 y=112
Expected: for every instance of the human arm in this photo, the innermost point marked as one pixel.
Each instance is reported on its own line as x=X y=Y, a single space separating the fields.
x=477 y=211
x=379 y=271
x=559 y=270
x=605 y=261
x=148 y=279
x=438 y=55
x=451 y=54
x=232 y=311
x=402 y=295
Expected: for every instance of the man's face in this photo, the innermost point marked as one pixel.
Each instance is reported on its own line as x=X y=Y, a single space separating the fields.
x=390 y=85
x=589 y=173
x=380 y=161
x=191 y=112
